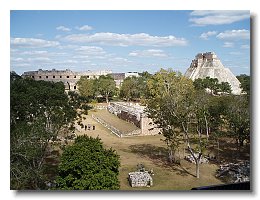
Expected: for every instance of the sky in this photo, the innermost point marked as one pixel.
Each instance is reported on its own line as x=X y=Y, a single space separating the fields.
x=124 y=41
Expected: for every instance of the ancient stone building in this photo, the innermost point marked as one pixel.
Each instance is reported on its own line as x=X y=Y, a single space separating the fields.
x=68 y=77
x=119 y=78
x=208 y=64
x=134 y=113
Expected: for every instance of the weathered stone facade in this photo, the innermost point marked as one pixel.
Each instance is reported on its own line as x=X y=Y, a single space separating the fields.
x=209 y=65
x=140 y=179
x=119 y=78
x=135 y=114
x=68 y=77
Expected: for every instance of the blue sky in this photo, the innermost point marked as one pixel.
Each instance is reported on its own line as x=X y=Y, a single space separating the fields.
x=125 y=41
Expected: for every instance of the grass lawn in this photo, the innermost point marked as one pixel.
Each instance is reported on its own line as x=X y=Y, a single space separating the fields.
x=150 y=151
x=121 y=125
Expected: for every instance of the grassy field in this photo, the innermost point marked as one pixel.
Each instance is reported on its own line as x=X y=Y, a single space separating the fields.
x=121 y=125
x=150 y=151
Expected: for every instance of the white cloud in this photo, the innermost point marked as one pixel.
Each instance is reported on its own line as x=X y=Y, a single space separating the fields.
x=205 y=36
x=69 y=46
x=119 y=61
x=217 y=17
x=16 y=59
x=245 y=46
x=85 y=61
x=235 y=53
x=21 y=64
x=63 y=28
x=228 y=44
x=34 y=53
x=85 y=28
x=32 y=43
x=234 y=35
x=66 y=62
x=38 y=59
x=91 y=51
x=148 y=53
x=115 y=39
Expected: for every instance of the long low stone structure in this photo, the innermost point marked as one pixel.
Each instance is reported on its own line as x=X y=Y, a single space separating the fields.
x=134 y=113
x=68 y=77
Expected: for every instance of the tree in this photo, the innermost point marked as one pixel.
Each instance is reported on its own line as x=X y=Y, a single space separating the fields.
x=224 y=87
x=238 y=117
x=130 y=88
x=212 y=84
x=245 y=83
x=86 y=165
x=199 y=84
x=174 y=109
x=39 y=110
x=106 y=86
x=87 y=87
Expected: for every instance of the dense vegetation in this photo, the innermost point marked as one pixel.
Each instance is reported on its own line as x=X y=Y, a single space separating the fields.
x=185 y=112
x=213 y=85
x=93 y=88
x=86 y=165
x=39 y=110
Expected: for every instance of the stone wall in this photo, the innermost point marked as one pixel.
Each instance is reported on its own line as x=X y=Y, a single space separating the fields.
x=68 y=77
x=134 y=113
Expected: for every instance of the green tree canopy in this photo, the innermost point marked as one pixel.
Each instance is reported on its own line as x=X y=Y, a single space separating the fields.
x=130 y=88
x=39 y=110
x=178 y=111
x=238 y=117
x=213 y=85
x=106 y=86
x=87 y=87
x=86 y=165
x=245 y=82
x=224 y=87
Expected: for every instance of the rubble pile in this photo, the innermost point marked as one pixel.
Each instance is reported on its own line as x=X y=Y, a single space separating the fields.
x=234 y=172
x=140 y=179
x=191 y=159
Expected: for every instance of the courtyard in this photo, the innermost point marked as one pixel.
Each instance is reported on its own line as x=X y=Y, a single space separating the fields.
x=151 y=151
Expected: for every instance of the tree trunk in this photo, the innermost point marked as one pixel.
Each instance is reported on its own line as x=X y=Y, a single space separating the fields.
x=218 y=150
x=207 y=128
x=171 y=158
x=107 y=98
x=197 y=169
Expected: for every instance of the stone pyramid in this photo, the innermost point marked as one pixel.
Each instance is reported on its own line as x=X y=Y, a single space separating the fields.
x=208 y=64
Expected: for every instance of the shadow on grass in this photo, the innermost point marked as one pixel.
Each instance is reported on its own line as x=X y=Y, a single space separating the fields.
x=228 y=151
x=159 y=156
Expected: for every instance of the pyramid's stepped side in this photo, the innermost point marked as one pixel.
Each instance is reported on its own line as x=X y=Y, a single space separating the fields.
x=208 y=64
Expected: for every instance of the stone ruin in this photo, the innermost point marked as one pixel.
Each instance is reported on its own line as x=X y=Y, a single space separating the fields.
x=141 y=178
x=135 y=114
x=68 y=77
x=234 y=172
x=209 y=65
